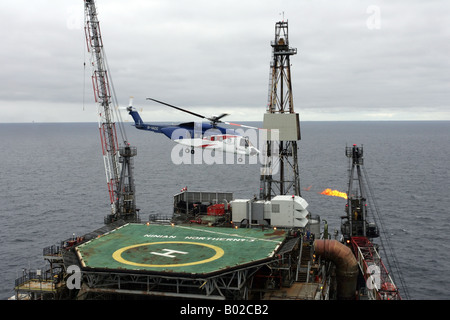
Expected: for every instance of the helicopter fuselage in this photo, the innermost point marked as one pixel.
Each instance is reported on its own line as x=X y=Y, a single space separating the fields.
x=200 y=135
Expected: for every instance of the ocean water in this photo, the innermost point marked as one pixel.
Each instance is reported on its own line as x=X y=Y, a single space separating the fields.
x=53 y=185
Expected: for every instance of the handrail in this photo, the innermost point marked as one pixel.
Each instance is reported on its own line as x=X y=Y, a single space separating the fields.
x=378 y=279
x=36 y=276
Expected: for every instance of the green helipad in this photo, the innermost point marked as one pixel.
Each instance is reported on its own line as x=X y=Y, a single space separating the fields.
x=178 y=248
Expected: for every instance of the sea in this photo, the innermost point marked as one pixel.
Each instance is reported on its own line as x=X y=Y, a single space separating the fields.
x=53 y=186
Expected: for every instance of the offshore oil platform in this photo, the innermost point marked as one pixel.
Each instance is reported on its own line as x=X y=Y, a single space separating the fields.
x=213 y=245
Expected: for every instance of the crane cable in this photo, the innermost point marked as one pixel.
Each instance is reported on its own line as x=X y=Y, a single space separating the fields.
x=85 y=47
x=115 y=102
x=115 y=106
x=384 y=230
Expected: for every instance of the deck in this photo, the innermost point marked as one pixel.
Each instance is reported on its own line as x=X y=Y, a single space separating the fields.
x=179 y=249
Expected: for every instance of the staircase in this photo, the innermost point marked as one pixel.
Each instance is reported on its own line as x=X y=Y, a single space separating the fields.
x=305 y=263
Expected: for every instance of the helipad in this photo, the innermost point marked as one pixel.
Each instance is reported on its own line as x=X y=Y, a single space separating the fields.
x=179 y=248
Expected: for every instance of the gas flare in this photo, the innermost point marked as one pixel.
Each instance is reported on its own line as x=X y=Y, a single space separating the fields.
x=334 y=193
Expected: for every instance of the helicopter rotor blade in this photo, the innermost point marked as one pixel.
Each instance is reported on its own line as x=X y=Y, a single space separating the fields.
x=178 y=108
x=241 y=125
x=217 y=119
x=214 y=120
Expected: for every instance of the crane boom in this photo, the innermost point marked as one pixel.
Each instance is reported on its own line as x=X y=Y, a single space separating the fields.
x=119 y=178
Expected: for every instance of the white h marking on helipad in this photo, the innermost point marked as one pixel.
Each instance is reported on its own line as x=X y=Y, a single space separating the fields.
x=169 y=253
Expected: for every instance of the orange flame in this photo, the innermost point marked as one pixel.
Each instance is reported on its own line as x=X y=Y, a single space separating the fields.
x=334 y=193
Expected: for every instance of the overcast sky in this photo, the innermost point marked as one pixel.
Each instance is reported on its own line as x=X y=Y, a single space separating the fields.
x=356 y=60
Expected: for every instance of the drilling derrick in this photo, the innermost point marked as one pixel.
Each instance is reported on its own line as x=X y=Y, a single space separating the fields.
x=279 y=174
x=357 y=224
x=117 y=160
x=358 y=232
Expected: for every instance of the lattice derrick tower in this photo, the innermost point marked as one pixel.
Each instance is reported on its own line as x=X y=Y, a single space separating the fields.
x=280 y=174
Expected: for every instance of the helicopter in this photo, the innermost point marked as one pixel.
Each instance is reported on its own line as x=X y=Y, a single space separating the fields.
x=199 y=134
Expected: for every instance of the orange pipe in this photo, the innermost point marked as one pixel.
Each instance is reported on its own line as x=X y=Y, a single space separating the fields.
x=346 y=266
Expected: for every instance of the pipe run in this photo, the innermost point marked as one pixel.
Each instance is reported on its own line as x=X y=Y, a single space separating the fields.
x=346 y=266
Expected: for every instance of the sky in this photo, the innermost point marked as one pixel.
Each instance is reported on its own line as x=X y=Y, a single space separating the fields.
x=356 y=60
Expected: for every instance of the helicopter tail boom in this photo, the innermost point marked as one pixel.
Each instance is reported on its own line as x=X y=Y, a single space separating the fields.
x=139 y=124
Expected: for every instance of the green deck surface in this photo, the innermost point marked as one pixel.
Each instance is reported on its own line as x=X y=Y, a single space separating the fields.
x=178 y=249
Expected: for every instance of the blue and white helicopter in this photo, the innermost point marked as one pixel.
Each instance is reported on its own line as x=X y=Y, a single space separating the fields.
x=199 y=134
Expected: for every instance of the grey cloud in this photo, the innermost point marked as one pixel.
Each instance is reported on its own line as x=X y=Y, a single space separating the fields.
x=204 y=54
